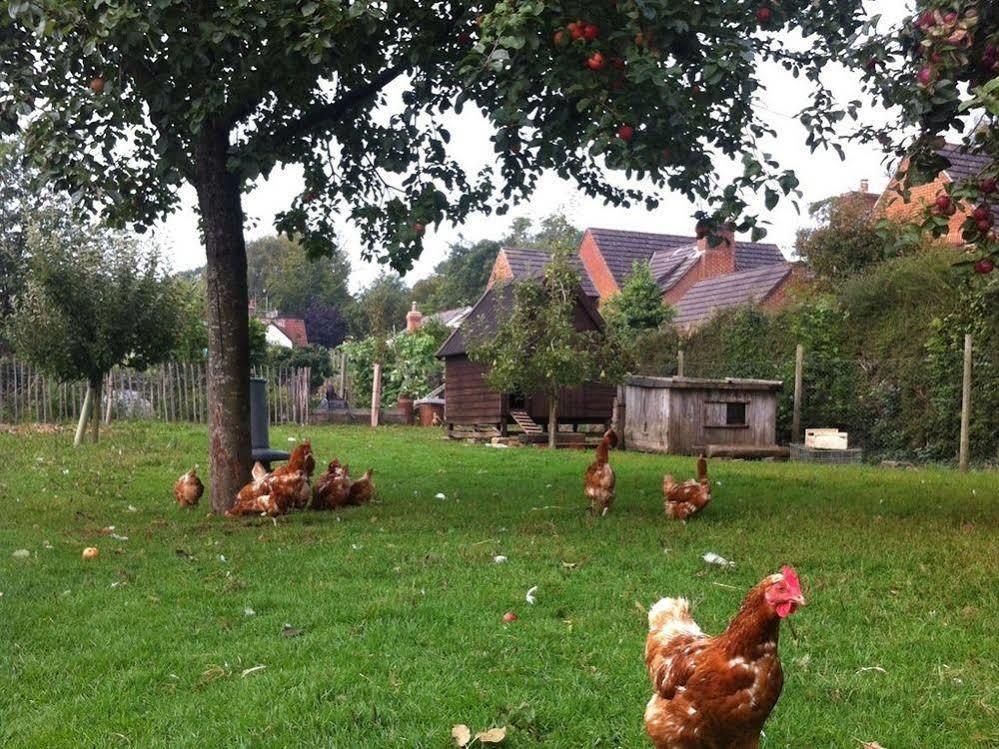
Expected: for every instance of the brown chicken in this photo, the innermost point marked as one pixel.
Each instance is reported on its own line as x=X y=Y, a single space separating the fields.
x=332 y=488
x=362 y=490
x=301 y=461
x=600 y=479
x=689 y=498
x=280 y=491
x=188 y=489
x=717 y=692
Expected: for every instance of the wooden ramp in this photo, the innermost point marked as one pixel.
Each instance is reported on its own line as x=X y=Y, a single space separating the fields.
x=525 y=422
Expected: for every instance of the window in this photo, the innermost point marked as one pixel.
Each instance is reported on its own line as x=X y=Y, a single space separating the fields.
x=735 y=414
x=725 y=414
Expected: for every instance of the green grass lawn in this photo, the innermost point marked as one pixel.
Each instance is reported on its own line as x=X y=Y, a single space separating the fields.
x=399 y=604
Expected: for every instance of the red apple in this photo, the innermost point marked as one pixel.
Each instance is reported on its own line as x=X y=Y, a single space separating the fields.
x=984 y=225
x=695 y=90
x=576 y=29
x=560 y=38
x=943 y=201
x=419 y=228
x=97 y=85
x=591 y=32
x=764 y=15
x=626 y=133
x=987 y=186
x=925 y=76
x=509 y=616
x=981 y=212
x=596 y=61
x=984 y=266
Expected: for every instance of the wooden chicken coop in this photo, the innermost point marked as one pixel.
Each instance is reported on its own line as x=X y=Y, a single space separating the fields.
x=469 y=401
x=688 y=416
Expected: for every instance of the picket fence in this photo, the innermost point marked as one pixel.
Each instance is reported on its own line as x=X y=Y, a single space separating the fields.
x=173 y=392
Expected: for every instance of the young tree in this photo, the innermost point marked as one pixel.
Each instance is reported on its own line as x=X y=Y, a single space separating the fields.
x=537 y=347
x=123 y=103
x=92 y=301
x=639 y=306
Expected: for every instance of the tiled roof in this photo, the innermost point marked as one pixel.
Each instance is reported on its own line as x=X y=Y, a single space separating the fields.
x=963 y=165
x=292 y=327
x=669 y=266
x=749 y=255
x=731 y=290
x=486 y=316
x=620 y=249
x=449 y=317
x=528 y=262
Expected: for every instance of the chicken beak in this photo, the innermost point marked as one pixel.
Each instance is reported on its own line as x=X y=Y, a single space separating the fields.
x=798 y=600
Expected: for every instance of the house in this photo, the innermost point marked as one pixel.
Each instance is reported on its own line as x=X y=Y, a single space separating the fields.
x=677 y=262
x=286 y=332
x=961 y=166
x=680 y=264
x=470 y=401
x=688 y=416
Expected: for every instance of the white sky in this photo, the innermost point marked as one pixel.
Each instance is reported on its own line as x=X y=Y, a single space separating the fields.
x=821 y=174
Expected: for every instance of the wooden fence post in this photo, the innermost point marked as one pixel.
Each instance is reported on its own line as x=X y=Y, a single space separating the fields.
x=376 y=394
x=965 y=405
x=679 y=363
x=343 y=375
x=799 y=361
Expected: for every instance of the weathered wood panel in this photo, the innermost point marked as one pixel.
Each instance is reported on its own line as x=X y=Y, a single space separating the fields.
x=684 y=420
x=646 y=418
x=467 y=398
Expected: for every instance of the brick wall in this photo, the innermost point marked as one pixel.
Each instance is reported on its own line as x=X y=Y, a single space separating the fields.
x=595 y=265
x=714 y=261
x=894 y=207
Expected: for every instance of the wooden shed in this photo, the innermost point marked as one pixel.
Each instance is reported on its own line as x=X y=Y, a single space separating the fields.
x=688 y=416
x=469 y=401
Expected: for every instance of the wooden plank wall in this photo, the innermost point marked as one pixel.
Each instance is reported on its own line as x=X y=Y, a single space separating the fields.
x=688 y=429
x=646 y=418
x=467 y=398
x=673 y=419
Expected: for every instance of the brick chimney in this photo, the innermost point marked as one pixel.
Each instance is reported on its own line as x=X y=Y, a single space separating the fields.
x=717 y=259
x=414 y=319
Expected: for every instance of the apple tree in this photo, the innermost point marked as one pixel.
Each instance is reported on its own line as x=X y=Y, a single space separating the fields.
x=123 y=102
x=938 y=73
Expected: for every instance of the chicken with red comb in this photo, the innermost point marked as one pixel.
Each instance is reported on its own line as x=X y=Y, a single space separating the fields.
x=717 y=692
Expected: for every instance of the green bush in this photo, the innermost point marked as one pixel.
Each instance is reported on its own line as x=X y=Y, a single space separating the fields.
x=883 y=357
x=409 y=365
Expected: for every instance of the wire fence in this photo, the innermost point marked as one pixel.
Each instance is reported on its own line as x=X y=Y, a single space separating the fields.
x=170 y=392
x=893 y=407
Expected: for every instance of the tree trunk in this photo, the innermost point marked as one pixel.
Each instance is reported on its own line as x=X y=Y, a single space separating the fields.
x=81 y=425
x=552 y=419
x=221 y=212
x=97 y=389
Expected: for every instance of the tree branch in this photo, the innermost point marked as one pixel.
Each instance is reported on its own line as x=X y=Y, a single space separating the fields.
x=329 y=113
